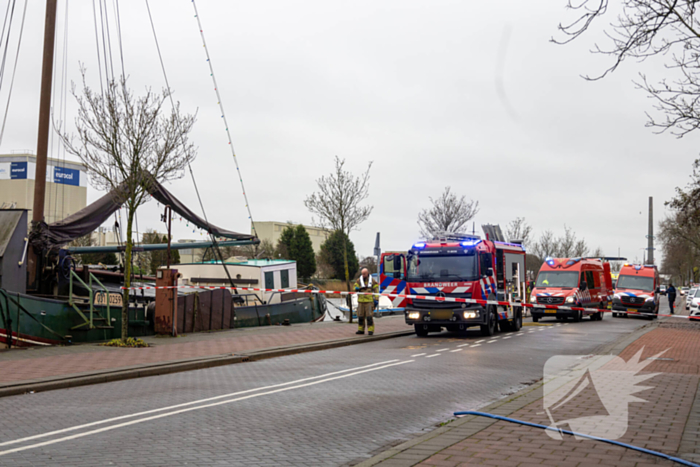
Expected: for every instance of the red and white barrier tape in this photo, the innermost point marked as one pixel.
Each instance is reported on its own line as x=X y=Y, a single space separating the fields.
x=418 y=297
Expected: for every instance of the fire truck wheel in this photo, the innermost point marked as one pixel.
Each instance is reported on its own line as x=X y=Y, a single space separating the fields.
x=578 y=316
x=517 y=321
x=489 y=329
x=421 y=330
x=535 y=318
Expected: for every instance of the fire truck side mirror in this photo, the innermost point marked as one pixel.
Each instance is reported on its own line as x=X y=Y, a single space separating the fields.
x=397 y=263
x=489 y=272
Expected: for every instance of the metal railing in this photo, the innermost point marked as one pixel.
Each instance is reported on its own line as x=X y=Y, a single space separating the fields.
x=71 y=302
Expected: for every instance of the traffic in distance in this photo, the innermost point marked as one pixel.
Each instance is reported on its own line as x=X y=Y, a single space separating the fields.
x=456 y=282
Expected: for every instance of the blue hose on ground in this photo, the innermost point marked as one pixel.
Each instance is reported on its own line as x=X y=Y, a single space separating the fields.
x=609 y=441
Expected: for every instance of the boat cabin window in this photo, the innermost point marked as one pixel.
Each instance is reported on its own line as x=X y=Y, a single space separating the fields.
x=284 y=276
x=269 y=280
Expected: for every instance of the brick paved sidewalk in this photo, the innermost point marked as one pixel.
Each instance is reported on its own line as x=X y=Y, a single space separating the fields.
x=30 y=364
x=668 y=422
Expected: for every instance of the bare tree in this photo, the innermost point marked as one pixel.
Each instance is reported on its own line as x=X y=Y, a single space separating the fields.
x=681 y=247
x=647 y=28
x=519 y=230
x=566 y=246
x=126 y=142
x=546 y=246
x=449 y=213
x=338 y=204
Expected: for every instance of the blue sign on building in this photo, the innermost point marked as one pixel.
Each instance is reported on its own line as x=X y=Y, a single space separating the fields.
x=18 y=170
x=66 y=176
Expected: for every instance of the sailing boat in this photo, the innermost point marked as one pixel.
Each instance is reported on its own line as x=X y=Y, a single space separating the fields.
x=60 y=303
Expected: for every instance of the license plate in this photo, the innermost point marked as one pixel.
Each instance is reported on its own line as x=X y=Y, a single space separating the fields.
x=550 y=311
x=447 y=314
x=633 y=310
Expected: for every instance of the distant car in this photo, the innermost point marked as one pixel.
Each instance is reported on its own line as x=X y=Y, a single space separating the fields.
x=689 y=298
x=694 y=304
x=684 y=290
x=662 y=290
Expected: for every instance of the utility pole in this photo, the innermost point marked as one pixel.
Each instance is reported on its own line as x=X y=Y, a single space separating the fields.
x=650 y=236
x=42 y=145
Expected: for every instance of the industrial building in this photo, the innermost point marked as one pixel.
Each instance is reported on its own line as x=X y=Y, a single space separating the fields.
x=66 y=185
x=273 y=230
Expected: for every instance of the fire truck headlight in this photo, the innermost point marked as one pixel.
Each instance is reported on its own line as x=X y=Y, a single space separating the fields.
x=470 y=314
x=414 y=315
x=570 y=299
x=650 y=299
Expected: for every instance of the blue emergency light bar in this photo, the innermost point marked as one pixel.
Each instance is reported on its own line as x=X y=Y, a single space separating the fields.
x=419 y=246
x=470 y=243
x=550 y=261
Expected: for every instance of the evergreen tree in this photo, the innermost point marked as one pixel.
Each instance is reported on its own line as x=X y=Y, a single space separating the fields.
x=284 y=244
x=332 y=254
x=303 y=252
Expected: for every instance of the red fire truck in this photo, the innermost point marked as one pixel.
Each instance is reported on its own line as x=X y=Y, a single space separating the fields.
x=463 y=266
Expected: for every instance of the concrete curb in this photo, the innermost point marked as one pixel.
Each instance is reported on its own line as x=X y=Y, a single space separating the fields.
x=419 y=449
x=140 y=371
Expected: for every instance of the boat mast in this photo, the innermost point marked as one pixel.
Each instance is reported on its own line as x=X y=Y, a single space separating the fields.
x=42 y=145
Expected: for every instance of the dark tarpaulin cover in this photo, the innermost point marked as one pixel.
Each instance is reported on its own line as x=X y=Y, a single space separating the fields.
x=89 y=218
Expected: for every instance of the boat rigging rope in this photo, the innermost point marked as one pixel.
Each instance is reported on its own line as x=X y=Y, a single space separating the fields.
x=14 y=68
x=223 y=116
x=215 y=244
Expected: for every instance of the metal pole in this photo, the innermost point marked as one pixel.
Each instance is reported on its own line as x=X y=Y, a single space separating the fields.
x=169 y=222
x=650 y=237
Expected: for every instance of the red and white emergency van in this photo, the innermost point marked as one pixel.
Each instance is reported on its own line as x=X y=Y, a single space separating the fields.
x=458 y=267
x=574 y=282
x=637 y=290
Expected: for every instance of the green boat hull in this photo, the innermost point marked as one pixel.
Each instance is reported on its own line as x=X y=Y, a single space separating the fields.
x=45 y=321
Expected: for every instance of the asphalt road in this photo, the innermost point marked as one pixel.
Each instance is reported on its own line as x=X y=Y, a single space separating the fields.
x=332 y=407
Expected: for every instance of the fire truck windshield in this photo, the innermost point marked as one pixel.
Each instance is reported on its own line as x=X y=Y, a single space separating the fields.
x=557 y=279
x=636 y=283
x=423 y=268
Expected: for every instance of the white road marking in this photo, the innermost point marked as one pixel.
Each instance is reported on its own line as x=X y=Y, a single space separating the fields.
x=479 y=342
x=190 y=409
x=566 y=324
x=433 y=355
x=462 y=345
x=476 y=345
x=442 y=350
x=491 y=342
x=122 y=417
x=417 y=355
x=507 y=337
x=456 y=350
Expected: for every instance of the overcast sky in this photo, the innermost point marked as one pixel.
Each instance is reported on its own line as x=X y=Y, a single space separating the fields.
x=470 y=95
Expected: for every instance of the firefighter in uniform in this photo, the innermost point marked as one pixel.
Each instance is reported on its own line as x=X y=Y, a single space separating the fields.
x=365 y=303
